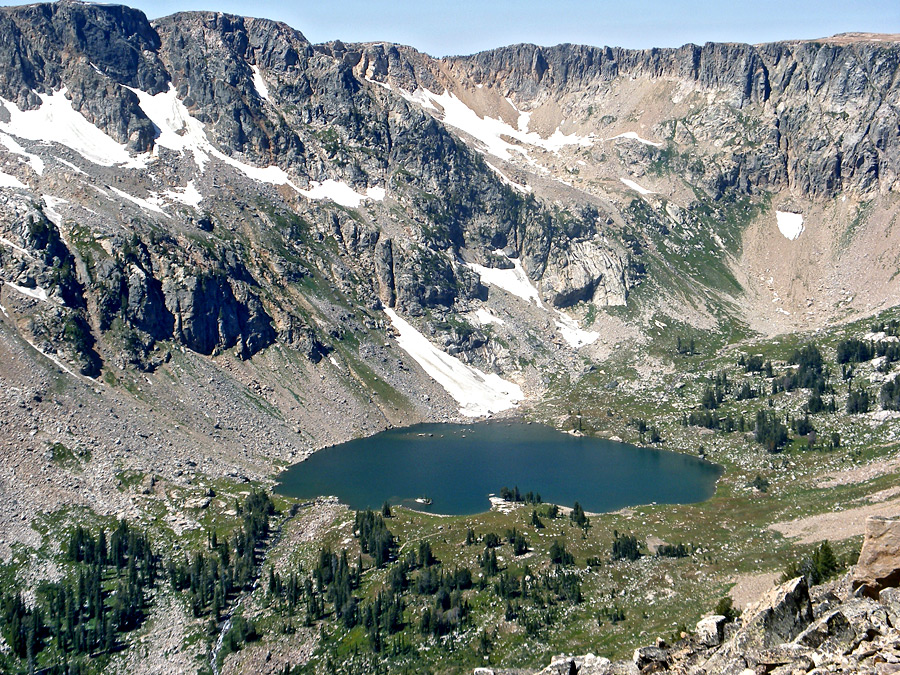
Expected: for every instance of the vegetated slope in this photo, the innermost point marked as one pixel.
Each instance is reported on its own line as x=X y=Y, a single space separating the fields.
x=204 y=217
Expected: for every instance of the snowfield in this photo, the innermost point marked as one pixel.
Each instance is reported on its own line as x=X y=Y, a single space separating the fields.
x=634 y=137
x=637 y=188
x=260 y=84
x=477 y=393
x=574 y=334
x=35 y=162
x=8 y=181
x=37 y=292
x=189 y=196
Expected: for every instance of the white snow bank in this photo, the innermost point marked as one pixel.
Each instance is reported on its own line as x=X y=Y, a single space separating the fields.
x=260 y=84
x=8 y=181
x=477 y=393
x=634 y=137
x=189 y=195
x=145 y=204
x=341 y=193
x=56 y=121
x=516 y=282
x=790 y=224
x=574 y=334
x=35 y=162
x=490 y=131
x=37 y=292
x=484 y=317
x=384 y=85
x=637 y=188
x=513 y=281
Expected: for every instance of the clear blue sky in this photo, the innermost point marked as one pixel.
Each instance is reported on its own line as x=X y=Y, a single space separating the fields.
x=442 y=27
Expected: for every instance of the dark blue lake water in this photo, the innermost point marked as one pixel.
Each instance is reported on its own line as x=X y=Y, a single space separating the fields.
x=458 y=466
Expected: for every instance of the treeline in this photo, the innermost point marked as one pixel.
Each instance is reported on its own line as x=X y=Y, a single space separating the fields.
x=88 y=614
x=808 y=371
x=212 y=578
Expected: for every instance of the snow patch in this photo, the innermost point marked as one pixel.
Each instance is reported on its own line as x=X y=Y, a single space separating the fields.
x=380 y=84
x=15 y=247
x=35 y=162
x=790 y=224
x=491 y=131
x=189 y=195
x=484 y=317
x=637 y=188
x=518 y=187
x=145 y=204
x=37 y=292
x=341 y=193
x=574 y=334
x=513 y=281
x=477 y=393
x=180 y=132
x=260 y=84
x=634 y=137
x=8 y=181
x=70 y=165
x=56 y=121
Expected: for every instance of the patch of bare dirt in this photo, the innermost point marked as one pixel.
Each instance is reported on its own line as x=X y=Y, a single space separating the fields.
x=750 y=587
x=836 y=525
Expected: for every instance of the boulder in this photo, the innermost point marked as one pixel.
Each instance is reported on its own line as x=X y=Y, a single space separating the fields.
x=711 y=630
x=879 y=559
x=890 y=598
x=780 y=616
x=583 y=665
x=651 y=659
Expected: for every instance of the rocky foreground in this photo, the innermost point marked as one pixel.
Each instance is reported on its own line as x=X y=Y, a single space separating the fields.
x=850 y=625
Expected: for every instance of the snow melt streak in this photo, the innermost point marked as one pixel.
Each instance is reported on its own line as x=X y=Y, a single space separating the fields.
x=477 y=393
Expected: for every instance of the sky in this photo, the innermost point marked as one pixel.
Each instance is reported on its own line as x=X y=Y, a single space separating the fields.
x=442 y=27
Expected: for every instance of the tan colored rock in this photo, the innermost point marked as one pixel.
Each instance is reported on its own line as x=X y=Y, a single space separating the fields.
x=879 y=560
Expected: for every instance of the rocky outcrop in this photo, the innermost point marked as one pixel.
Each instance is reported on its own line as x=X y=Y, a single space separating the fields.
x=879 y=559
x=585 y=272
x=851 y=625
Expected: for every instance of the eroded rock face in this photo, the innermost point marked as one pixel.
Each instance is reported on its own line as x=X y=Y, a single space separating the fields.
x=879 y=560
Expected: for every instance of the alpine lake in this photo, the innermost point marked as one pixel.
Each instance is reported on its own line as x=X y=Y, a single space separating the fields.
x=452 y=469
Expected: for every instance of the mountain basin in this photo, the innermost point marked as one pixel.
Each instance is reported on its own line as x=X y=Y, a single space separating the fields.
x=456 y=467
